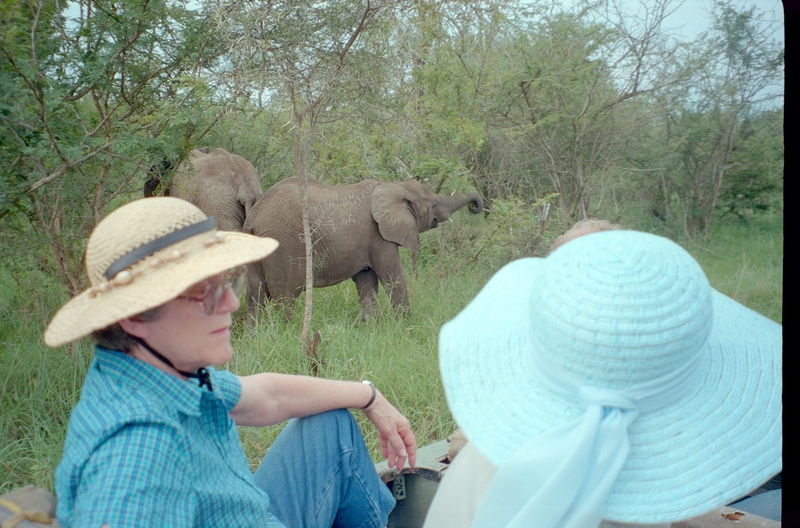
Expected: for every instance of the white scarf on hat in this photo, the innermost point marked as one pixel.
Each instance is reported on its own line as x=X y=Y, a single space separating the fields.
x=561 y=478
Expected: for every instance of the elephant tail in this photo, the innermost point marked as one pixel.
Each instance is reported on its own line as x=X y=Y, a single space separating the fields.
x=247 y=204
x=247 y=227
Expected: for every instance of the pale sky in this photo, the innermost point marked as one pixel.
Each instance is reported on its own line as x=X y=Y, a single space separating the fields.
x=690 y=19
x=694 y=16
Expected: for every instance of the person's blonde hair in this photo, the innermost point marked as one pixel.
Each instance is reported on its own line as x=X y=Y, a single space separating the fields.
x=584 y=227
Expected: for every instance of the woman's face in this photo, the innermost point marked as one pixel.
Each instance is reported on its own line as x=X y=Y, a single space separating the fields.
x=188 y=337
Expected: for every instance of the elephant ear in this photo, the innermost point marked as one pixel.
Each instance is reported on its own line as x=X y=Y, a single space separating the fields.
x=393 y=208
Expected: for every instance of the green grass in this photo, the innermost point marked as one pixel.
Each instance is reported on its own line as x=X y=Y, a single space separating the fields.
x=745 y=262
x=38 y=386
x=397 y=353
x=41 y=385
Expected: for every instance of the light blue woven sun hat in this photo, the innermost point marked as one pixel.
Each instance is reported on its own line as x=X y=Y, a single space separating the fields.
x=616 y=310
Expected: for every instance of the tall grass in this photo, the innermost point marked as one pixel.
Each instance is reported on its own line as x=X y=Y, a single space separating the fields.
x=745 y=262
x=398 y=354
x=40 y=385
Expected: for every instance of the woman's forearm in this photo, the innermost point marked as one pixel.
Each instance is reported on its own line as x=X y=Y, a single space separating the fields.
x=270 y=398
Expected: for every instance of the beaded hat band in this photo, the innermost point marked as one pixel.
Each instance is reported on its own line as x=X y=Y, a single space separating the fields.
x=145 y=254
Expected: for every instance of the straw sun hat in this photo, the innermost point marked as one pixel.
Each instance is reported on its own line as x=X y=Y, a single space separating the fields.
x=145 y=254
x=615 y=311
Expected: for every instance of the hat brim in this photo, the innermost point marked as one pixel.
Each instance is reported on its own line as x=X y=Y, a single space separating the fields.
x=84 y=313
x=710 y=447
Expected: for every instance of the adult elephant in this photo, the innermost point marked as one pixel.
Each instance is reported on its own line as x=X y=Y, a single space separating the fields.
x=221 y=184
x=356 y=231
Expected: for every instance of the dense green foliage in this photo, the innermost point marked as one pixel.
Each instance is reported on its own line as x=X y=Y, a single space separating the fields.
x=87 y=105
x=515 y=100
x=552 y=113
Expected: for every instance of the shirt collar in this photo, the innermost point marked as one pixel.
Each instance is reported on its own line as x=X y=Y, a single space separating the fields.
x=183 y=395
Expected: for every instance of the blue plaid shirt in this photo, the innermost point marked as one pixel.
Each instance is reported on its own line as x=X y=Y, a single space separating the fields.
x=145 y=448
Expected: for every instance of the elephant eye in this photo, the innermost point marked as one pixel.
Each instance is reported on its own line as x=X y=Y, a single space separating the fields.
x=435 y=204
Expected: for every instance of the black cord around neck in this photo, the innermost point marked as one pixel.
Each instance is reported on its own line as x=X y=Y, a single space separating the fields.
x=202 y=374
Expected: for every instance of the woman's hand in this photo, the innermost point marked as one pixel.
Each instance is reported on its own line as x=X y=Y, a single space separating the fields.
x=270 y=398
x=397 y=439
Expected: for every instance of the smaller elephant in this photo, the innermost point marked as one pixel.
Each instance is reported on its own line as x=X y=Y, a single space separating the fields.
x=356 y=233
x=221 y=184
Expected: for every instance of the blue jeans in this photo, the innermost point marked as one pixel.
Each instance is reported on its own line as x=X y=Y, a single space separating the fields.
x=318 y=473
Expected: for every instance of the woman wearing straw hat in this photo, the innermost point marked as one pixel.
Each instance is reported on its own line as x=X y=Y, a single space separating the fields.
x=153 y=441
x=607 y=383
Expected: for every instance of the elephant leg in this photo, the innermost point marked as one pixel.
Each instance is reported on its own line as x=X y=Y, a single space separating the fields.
x=367 y=286
x=393 y=278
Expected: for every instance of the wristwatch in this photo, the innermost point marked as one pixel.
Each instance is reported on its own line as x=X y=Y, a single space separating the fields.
x=374 y=393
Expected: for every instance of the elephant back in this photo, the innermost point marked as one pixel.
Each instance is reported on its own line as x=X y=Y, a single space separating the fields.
x=221 y=184
x=278 y=212
x=273 y=204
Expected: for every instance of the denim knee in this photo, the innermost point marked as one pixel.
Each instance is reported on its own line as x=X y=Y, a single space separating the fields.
x=336 y=425
x=319 y=473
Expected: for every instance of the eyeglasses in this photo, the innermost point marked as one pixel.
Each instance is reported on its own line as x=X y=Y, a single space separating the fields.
x=214 y=289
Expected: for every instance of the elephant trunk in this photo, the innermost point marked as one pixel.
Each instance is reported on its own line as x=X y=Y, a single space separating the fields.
x=451 y=204
x=155 y=173
x=476 y=205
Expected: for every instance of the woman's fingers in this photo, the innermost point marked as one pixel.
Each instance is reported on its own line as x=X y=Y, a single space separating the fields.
x=384 y=446
x=396 y=438
x=402 y=446
x=411 y=446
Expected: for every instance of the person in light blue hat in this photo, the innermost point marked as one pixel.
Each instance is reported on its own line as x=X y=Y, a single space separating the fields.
x=607 y=383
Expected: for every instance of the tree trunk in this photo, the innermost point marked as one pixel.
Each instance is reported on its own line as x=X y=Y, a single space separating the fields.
x=301 y=147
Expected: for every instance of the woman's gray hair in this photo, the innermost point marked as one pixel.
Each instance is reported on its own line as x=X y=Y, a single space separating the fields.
x=115 y=338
